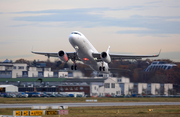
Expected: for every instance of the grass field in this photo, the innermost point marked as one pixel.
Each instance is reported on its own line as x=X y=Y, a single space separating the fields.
x=81 y=100
x=115 y=111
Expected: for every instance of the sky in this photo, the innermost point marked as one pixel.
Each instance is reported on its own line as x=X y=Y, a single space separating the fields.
x=140 y=27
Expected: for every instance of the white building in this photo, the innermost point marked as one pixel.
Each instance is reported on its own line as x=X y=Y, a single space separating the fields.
x=166 y=89
x=140 y=88
x=110 y=86
x=8 y=88
x=126 y=88
x=122 y=80
x=12 y=70
x=76 y=74
x=94 y=88
x=153 y=89
x=32 y=72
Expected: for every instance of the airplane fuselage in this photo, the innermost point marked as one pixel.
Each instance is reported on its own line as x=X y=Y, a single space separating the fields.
x=84 y=51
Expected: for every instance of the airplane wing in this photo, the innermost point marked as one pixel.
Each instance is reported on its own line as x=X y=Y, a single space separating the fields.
x=124 y=56
x=71 y=55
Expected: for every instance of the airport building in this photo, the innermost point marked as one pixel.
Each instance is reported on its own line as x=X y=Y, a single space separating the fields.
x=157 y=65
x=95 y=86
x=22 y=70
x=111 y=87
x=11 y=70
x=166 y=89
x=153 y=89
x=140 y=88
x=8 y=88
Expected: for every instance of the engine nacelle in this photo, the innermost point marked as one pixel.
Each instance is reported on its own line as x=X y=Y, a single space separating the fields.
x=105 y=57
x=63 y=56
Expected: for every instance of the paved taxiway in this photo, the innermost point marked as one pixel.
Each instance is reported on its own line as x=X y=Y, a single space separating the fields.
x=89 y=104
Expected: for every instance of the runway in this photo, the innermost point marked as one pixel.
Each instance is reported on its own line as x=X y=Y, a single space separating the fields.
x=89 y=104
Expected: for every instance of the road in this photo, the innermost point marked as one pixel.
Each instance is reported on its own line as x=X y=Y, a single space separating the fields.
x=89 y=104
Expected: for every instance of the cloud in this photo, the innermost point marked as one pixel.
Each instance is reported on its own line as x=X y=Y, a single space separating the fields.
x=85 y=18
x=155 y=2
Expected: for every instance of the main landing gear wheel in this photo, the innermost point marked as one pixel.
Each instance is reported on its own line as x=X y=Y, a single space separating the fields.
x=74 y=67
x=101 y=68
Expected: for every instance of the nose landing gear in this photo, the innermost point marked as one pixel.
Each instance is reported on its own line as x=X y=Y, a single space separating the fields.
x=102 y=68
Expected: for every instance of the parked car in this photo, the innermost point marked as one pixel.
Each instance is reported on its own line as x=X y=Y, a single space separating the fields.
x=51 y=95
x=59 y=95
x=35 y=95
x=108 y=95
x=44 y=95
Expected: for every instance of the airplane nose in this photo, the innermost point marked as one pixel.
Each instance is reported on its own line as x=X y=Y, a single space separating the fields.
x=72 y=39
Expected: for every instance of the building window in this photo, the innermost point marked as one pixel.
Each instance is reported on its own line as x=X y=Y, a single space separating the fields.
x=107 y=85
x=61 y=89
x=119 y=80
x=112 y=94
x=66 y=88
x=14 y=67
x=117 y=92
x=112 y=85
x=21 y=67
x=71 y=88
x=76 y=88
x=81 y=88
x=95 y=88
x=86 y=88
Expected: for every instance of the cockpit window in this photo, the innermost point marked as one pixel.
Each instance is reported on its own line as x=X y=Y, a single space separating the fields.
x=76 y=33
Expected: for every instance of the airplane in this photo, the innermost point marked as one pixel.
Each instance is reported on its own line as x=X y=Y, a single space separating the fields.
x=85 y=52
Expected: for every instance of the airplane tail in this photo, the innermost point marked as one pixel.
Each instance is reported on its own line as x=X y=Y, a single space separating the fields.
x=108 y=50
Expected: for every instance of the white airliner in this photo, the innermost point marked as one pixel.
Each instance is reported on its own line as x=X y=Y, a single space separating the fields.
x=86 y=53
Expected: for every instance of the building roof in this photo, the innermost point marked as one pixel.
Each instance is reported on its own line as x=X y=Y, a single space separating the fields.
x=6 y=85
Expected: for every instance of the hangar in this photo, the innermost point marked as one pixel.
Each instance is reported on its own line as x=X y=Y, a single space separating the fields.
x=8 y=88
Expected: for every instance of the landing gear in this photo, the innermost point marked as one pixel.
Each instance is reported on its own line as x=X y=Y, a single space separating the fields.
x=101 y=68
x=74 y=67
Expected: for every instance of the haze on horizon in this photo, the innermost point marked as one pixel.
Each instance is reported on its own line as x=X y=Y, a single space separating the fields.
x=132 y=27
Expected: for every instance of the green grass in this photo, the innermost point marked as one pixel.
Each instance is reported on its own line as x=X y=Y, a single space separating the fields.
x=115 y=111
x=82 y=100
x=32 y=79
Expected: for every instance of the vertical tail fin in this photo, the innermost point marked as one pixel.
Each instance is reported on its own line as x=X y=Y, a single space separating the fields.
x=108 y=50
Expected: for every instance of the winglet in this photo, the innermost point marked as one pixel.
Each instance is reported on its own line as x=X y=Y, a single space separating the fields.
x=158 y=54
x=32 y=49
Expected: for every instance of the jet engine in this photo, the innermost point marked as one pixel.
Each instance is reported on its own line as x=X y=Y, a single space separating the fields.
x=105 y=57
x=63 y=56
